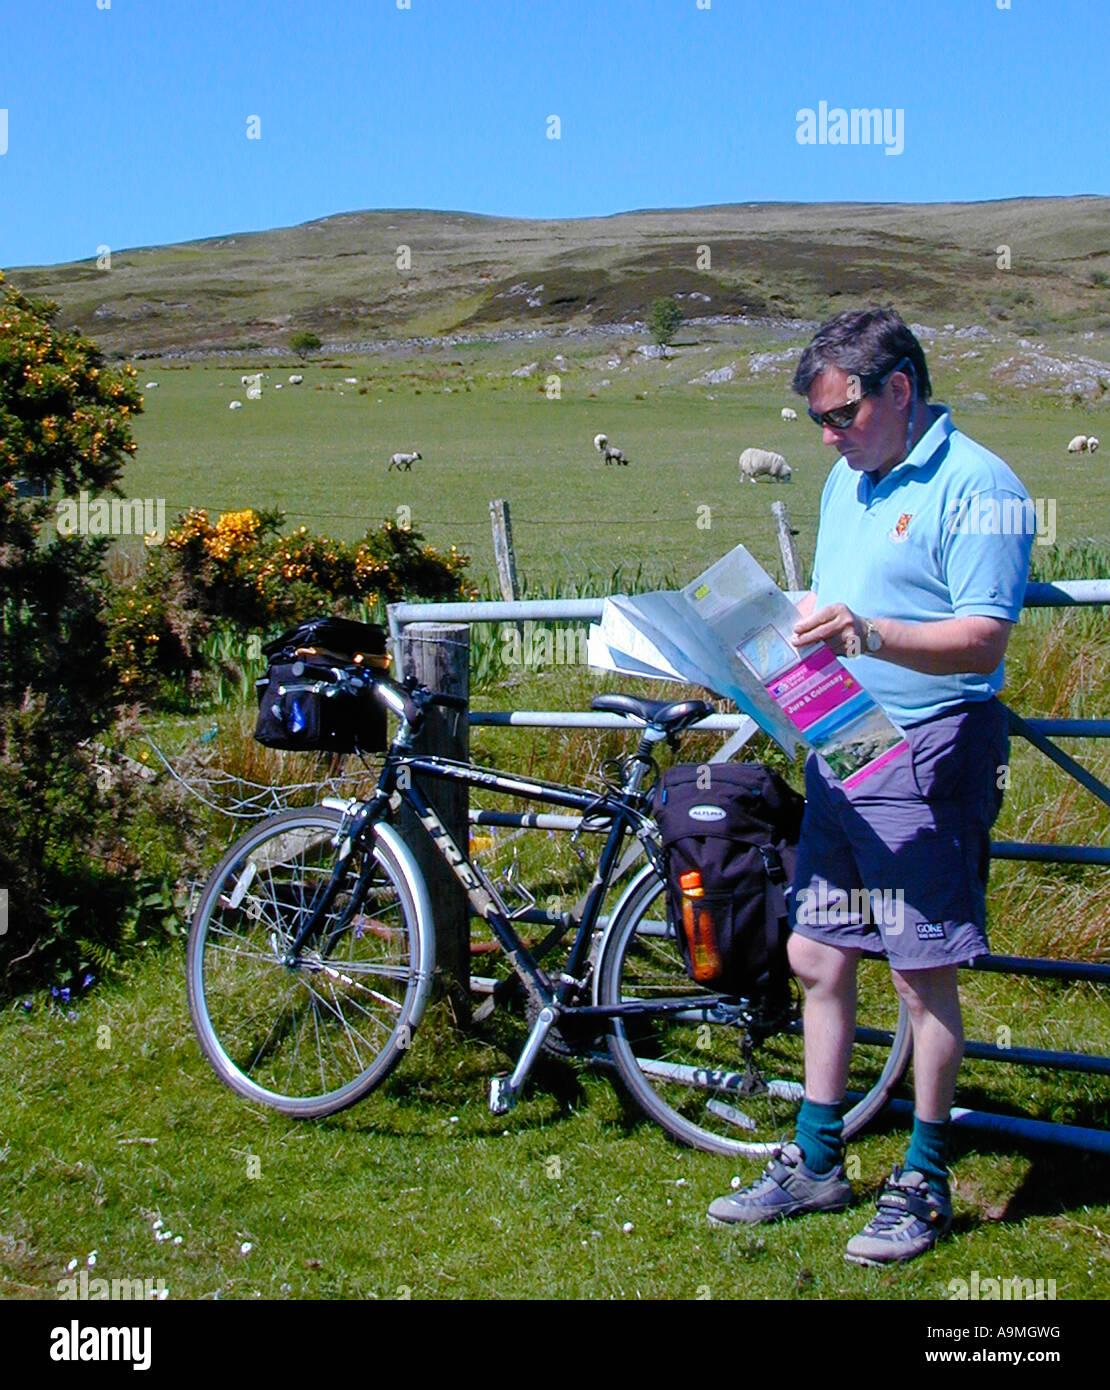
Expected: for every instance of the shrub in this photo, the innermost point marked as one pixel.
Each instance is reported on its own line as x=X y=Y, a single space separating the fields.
x=240 y=575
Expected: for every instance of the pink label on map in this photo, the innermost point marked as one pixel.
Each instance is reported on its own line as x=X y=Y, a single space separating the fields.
x=811 y=690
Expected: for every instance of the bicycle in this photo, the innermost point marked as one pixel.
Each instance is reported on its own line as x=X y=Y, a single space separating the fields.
x=312 y=951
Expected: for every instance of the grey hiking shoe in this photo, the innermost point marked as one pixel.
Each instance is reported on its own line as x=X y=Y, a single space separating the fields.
x=911 y=1218
x=787 y=1188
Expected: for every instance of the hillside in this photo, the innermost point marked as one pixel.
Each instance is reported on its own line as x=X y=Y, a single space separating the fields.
x=339 y=275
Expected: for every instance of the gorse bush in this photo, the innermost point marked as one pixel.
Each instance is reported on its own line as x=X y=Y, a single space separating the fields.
x=65 y=421
x=240 y=577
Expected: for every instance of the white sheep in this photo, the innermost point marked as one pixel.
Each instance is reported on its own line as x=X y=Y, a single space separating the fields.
x=151 y=386
x=236 y=405
x=1092 y=443
x=756 y=463
x=612 y=455
x=404 y=461
x=788 y=414
x=1078 y=445
x=296 y=379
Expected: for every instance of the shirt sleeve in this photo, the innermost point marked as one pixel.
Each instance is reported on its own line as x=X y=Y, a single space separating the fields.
x=987 y=546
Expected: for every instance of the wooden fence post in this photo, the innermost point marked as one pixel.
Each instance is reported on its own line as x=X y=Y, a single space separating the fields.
x=786 y=534
x=438 y=656
x=503 y=551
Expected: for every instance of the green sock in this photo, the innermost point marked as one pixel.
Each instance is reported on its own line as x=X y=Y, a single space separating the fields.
x=928 y=1150
x=819 y=1135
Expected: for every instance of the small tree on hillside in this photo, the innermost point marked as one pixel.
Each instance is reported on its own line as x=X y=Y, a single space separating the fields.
x=304 y=342
x=664 y=319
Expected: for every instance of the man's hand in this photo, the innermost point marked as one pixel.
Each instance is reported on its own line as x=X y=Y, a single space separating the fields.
x=947 y=647
x=837 y=626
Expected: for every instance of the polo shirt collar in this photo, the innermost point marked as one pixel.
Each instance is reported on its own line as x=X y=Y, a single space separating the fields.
x=922 y=452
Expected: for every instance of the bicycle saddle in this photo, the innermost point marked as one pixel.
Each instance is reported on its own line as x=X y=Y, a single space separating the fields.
x=671 y=715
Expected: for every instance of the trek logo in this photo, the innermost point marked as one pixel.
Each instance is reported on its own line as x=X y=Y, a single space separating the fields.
x=706 y=813
x=77 y=1343
x=480 y=899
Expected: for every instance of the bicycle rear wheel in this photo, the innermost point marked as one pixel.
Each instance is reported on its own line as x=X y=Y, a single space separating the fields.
x=311 y=1038
x=698 y=1072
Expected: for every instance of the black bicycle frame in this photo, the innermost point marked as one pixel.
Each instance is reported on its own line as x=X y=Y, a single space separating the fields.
x=481 y=892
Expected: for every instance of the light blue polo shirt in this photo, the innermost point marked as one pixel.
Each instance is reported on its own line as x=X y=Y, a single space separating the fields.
x=946 y=534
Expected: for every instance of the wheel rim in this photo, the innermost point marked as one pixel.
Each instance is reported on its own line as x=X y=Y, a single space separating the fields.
x=694 y=1073
x=325 y=1031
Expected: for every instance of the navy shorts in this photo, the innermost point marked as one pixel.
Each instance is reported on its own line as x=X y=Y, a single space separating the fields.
x=899 y=863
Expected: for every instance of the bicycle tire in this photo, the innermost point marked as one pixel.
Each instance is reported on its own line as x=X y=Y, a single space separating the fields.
x=688 y=1072
x=310 y=1040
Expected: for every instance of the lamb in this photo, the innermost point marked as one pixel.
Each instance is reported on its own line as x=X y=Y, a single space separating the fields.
x=404 y=461
x=296 y=379
x=1092 y=443
x=236 y=405
x=756 y=463
x=788 y=414
x=1078 y=445
x=612 y=455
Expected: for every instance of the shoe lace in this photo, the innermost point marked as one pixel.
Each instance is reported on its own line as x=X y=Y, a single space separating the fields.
x=892 y=1209
x=788 y=1157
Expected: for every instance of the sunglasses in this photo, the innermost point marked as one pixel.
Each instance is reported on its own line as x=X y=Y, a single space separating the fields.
x=842 y=416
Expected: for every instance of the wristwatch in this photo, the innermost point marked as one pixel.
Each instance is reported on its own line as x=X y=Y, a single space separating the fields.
x=872 y=637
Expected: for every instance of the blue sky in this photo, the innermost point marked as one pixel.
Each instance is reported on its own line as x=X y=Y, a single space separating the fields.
x=127 y=125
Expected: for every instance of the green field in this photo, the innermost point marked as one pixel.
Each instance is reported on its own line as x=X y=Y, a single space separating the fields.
x=110 y=1119
x=320 y=450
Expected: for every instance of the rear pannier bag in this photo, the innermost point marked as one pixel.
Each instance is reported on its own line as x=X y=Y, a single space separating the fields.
x=296 y=710
x=737 y=825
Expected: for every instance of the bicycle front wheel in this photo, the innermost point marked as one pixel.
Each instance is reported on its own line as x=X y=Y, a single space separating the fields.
x=314 y=1036
x=698 y=1071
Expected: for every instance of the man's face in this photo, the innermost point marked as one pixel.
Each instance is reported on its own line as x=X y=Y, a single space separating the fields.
x=876 y=439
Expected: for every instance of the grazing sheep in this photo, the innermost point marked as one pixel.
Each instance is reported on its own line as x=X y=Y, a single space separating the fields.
x=756 y=463
x=612 y=455
x=236 y=405
x=1092 y=444
x=788 y=414
x=1078 y=445
x=296 y=379
x=151 y=386
x=404 y=461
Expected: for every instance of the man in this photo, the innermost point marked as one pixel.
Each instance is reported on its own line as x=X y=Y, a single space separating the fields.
x=923 y=599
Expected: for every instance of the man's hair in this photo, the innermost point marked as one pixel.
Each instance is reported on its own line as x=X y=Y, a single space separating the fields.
x=866 y=343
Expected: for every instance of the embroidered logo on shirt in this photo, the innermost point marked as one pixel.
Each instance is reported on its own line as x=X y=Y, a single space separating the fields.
x=930 y=931
x=900 y=531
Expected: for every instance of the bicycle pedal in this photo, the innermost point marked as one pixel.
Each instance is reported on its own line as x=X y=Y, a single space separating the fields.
x=501 y=1095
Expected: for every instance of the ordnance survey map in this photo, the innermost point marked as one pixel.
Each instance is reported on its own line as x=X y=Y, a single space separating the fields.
x=730 y=632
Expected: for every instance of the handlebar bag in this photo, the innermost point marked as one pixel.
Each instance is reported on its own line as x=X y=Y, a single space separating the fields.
x=738 y=825
x=298 y=708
